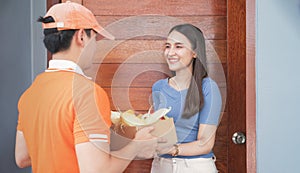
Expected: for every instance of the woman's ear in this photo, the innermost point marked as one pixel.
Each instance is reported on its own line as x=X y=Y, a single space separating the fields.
x=194 y=55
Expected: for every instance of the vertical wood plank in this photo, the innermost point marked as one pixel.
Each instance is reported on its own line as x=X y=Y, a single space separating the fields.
x=236 y=27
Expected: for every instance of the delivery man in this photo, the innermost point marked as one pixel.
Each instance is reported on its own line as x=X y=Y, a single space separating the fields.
x=64 y=117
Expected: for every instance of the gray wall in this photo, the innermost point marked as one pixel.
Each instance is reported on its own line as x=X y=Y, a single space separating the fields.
x=22 y=57
x=278 y=86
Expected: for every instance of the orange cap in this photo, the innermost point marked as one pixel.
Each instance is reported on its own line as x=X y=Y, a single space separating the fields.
x=70 y=15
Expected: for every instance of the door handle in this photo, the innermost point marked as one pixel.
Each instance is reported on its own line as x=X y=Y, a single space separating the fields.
x=239 y=138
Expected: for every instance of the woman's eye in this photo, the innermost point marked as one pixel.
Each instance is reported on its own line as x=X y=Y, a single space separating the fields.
x=178 y=47
x=167 y=46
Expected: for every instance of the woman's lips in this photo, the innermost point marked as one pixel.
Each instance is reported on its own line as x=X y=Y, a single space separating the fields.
x=173 y=60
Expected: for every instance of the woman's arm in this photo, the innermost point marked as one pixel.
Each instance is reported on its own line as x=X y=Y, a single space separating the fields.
x=208 y=123
x=204 y=144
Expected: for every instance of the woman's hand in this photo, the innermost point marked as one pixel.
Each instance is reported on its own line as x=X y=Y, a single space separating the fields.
x=163 y=149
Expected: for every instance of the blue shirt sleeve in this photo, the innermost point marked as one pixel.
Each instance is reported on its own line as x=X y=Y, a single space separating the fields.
x=211 y=110
x=157 y=98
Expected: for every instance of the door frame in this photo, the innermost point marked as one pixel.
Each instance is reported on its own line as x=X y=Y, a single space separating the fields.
x=241 y=43
x=251 y=85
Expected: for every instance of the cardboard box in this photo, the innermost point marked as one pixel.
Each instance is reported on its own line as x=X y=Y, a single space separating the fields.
x=122 y=135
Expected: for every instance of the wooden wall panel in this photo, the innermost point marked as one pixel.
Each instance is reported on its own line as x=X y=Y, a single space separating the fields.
x=126 y=27
x=134 y=75
x=136 y=7
x=139 y=99
x=220 y=148
x=143 y=74
x=77 y=1
x=127 y=67
x=149 y=51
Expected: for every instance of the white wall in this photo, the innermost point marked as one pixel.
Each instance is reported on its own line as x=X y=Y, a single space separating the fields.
x=278 y=86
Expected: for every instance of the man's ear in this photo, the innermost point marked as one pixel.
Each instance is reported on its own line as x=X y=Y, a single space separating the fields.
x=80 y=37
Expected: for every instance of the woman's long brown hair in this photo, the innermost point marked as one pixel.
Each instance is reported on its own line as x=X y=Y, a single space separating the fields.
x=194 y=99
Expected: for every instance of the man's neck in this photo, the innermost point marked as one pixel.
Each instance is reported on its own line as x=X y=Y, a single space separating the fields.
x=65 y=55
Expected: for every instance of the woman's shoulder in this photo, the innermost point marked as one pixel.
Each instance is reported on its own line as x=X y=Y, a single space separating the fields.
x=159 y=84
x=208 y=84
x=208 y=81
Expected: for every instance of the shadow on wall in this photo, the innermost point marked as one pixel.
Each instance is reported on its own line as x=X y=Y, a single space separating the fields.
x=291 y=11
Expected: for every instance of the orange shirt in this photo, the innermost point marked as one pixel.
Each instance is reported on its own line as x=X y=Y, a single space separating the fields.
x=59 y=110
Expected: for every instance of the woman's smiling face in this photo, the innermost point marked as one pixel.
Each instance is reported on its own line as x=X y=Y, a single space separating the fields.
x=178 y=52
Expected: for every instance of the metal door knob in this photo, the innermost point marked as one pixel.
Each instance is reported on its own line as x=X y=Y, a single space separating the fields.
x=239 y=138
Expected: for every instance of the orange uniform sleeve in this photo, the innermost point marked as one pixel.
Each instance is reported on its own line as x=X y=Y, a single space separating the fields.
x=92 y=114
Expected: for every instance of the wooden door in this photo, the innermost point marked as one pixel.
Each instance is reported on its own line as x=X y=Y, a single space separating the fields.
x=128 y=66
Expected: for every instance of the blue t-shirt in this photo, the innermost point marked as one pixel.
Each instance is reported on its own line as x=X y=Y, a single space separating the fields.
x=165 y=96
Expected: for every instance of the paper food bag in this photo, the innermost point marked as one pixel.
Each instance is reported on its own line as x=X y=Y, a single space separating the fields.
x=122 y=133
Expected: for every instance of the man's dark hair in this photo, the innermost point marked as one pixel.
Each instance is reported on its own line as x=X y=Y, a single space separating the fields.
x=55 y=40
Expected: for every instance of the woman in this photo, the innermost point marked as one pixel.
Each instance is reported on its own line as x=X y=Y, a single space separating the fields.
x=195 y=100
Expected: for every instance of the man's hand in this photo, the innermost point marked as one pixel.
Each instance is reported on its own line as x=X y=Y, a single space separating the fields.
x=21 y=152
x=146 y=142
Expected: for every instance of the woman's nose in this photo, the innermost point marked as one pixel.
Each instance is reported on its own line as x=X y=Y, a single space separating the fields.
x=171 y=51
